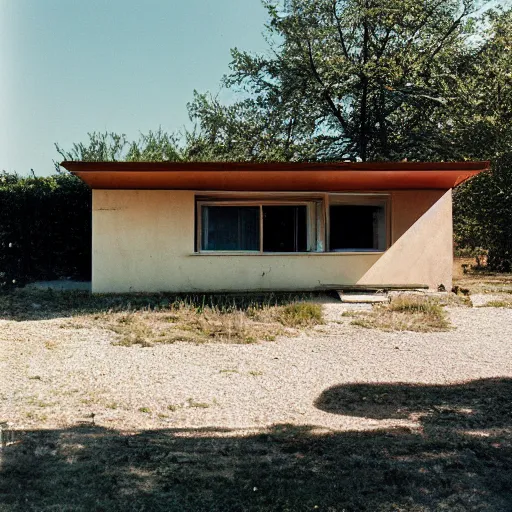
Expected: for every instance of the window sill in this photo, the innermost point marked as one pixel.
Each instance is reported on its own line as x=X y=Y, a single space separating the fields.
x=293 y=254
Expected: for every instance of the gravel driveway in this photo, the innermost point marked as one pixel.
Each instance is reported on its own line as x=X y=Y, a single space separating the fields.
x=54 y=375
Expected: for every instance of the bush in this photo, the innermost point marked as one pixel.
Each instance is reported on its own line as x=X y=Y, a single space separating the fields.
x=483 y=214
x=301 y=314
x=45 y=228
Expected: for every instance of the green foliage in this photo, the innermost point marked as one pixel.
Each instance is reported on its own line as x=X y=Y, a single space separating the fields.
x=248 y=130
x=45 y=228
x=301 y=314
x=155 y=146
x=344 y=79
x=482 y=128
x=102 y=147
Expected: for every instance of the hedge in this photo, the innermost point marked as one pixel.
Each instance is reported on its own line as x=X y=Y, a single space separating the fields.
x=45 y=229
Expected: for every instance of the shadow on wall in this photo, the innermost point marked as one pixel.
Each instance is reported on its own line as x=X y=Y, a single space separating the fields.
x=423 y=253
x=461 y=460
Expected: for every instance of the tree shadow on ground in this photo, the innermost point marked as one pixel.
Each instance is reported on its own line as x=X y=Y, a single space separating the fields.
x=483 y=403
x=24 y=304
x=461 y=462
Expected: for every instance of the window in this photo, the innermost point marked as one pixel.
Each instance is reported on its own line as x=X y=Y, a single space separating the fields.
x=292 y=224
x=230 y=228
x=266 y=226
x=357 y=224
x=285 y=228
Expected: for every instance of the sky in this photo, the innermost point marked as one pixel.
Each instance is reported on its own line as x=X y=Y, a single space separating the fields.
x=69 y=67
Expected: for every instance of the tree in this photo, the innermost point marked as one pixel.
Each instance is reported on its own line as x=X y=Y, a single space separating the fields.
x=250 y=129
x=364 y=80
x=157 y=146
x=354 y=79
x=482 y=128
x=102 y=147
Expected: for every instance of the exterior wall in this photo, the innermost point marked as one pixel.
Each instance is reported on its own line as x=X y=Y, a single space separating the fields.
x=422 y=241
x=143 y=240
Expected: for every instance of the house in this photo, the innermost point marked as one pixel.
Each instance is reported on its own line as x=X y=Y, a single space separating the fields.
x=201 y=227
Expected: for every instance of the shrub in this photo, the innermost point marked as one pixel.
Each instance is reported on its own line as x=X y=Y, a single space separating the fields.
x=301 y=314
x=45 y=228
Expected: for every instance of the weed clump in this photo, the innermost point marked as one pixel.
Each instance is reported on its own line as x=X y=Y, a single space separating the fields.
x=405 y=313
x=498 y=304
x=300 y=314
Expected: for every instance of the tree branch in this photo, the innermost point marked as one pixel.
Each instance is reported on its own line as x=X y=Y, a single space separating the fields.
x=340 y=31
x=326 y=94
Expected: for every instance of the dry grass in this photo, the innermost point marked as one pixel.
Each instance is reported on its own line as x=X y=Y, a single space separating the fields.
x=150 y=319
x=498 y=304
x=300 y=314
x=186 y=323
x=479 y=280
x=405 y=313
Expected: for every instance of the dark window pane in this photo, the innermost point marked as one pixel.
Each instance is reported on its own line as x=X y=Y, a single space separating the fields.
x=230 y=228
x=357 y=227
x=285 y=228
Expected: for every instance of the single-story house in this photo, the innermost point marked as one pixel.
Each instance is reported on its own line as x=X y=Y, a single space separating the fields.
x=208 y=227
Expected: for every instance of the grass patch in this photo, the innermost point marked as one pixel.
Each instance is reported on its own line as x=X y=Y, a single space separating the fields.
x=485 y=282
x=352 y=314
x=39 y=403
x=498 y=304
x=190 y=324
x=147 y=320
x=300 y=314
x=404 y=313
x=197 y=405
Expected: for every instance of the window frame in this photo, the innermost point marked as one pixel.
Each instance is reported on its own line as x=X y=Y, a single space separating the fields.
x=313 y=233
x=318 y=217
x=370 y=199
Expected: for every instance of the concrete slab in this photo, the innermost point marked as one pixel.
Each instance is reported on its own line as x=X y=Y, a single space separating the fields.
x=363 y=298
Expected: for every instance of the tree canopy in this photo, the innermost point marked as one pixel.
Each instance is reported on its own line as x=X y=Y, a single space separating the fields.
x=346 y=79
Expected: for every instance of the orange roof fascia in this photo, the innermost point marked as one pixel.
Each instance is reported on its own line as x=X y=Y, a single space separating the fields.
x=279 y=176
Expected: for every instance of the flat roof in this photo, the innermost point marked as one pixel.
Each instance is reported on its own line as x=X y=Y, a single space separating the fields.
x=275 y=176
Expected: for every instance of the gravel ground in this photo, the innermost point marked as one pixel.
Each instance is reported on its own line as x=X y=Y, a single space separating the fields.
x=54 y=375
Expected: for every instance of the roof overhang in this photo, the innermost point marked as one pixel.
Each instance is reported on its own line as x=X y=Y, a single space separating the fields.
x=295 y=177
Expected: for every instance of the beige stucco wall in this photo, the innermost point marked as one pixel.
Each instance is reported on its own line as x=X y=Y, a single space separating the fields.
x=143 y=240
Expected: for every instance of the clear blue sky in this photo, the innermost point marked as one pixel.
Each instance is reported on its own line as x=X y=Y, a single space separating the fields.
x=68 y=67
